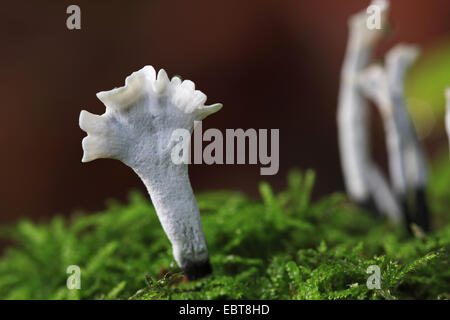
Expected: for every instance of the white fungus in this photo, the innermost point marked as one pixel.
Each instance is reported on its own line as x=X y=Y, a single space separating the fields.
x=136 y=129
x=364 y=182
x=407 y=161
x=398 y=61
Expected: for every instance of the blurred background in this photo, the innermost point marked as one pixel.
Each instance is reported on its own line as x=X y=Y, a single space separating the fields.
x=273 y=64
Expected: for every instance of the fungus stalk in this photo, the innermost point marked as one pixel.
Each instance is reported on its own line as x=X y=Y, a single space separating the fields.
x=364 y=182
x=137 y=129
x=374 y=84
x=407 y=161
x=398 y=61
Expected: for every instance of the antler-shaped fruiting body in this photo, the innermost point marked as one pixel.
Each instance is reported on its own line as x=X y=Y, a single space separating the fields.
x=137 y=129
x=398 y=61
x=447 y=116
x=375 y=85
x=352 y=116
x=407 y=161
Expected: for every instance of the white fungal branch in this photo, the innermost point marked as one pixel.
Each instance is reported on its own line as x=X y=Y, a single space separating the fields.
x=398 y=61
x=382 y=195
x=352 y=115
x=407 y=161
x=385 y=86
x=137 y=129
x=374 y=83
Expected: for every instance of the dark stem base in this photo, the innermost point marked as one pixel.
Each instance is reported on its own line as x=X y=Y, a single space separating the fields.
x=197 y=270
x=422 y=211
x=406 y=214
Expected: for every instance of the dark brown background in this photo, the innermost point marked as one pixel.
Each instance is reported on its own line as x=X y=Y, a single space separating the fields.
x=273 y=64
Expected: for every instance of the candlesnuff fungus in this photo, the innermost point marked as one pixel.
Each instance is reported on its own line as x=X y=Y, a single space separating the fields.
x=407 y=161
x=137 y=129
x=398 y=61
x=364 y=182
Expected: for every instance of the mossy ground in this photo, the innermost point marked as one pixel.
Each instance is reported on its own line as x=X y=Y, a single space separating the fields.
x=281 y=247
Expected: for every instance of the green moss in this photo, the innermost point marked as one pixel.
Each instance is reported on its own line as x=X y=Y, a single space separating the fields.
x=281 y=247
